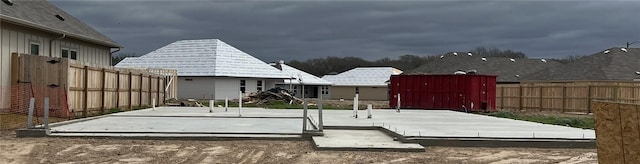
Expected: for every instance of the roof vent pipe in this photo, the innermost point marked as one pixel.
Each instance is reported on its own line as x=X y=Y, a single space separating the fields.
x=59 y=17
x=8 y=2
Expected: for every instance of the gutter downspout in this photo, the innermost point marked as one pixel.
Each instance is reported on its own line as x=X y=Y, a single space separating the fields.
x=51 y=44
x=111 y=56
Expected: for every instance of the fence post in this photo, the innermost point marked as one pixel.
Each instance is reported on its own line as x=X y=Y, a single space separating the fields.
x=615 y=92
x=502 y=97
x=150 y=90
x=104 y=78
x=117 y=89
x=588 y=98
x=140 y=90
x=130 y=90
x=520 y=97
x=86 y=91
x=158 y=91
x=540 y=99
x=564 y=96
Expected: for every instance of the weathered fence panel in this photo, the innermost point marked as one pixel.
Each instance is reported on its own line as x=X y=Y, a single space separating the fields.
x=617 y=132
x=564 y=96
x=88 y=90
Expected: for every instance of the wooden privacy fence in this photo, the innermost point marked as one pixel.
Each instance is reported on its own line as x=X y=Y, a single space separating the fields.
x=617 y=132
x=564 y=96
x=92 y=90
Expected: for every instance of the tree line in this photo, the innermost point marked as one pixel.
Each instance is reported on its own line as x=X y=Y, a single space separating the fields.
x=334 y=65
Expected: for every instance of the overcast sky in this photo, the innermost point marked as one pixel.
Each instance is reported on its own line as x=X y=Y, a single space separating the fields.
x=274 y=30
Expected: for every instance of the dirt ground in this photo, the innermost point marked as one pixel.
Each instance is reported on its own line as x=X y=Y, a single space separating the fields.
x=96 y=150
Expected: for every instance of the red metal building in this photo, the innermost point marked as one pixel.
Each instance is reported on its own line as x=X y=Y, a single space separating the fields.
x=457 y=92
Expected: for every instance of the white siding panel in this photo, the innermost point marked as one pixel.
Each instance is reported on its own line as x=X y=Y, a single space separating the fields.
x=270 y=84
x=198 y=88
x=13 y=43
x=5 y=72
x=22 y=44
x=251 y=86
x=227 y=87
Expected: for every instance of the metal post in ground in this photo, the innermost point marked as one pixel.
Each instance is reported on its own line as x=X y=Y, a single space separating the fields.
x=153 y=104
x=32 y=104
x=369 y=108
x=320 y=108
x=211 y=104
x=46 y=113
x=304 y=111
x=240 y=105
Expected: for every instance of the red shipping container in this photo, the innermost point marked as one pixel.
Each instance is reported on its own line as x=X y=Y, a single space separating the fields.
x=456 y=92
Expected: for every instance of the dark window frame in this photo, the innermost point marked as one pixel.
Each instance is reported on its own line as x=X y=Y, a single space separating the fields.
x=31 y=46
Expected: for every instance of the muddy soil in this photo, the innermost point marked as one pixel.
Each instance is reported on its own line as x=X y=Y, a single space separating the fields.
x=100 y=150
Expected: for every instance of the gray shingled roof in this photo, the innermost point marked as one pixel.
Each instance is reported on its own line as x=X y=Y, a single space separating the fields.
x=500 y=66
x=615 y=65
x=40 y=14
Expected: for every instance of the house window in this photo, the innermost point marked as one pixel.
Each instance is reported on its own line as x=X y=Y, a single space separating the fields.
x=74 y=54
x=69 y=53
x=259 y=85
x=325 y=90
x=242 y=86
x=35 y=49
x=65 y=53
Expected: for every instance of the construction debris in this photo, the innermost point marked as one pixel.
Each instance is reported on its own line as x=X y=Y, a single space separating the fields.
x=188 y=102
x=271 y=95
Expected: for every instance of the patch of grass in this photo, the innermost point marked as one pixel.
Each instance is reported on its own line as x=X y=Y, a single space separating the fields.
x=114 y=110
x=577 y=122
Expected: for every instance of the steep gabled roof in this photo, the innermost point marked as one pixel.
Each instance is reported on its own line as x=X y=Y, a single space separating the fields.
x=307 y=79
x=614 y=65
x=206 y=57
x=40 y=14
x=503 y=67
x=363 y=76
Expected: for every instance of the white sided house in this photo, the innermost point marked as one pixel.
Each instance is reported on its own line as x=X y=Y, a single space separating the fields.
x=371 y=82
x=313 y=85
x=37 y=27
x=210 y=69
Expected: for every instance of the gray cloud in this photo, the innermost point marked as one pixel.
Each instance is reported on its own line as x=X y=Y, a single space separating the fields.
x=371 y=30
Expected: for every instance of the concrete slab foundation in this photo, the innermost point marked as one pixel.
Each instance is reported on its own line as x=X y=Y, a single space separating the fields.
x=369 y=140
x=427 y=127
x=34 y=132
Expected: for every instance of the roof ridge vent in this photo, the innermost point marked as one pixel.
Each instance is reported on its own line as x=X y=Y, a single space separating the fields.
x=59 y=17
x=8 y=2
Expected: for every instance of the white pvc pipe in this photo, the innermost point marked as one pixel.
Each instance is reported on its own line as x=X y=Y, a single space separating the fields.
x=369 y=108
x=398 y=105
x=240 y=105
x=153 y=104
x=226 y=103
x=211 y=104
x=355 y=106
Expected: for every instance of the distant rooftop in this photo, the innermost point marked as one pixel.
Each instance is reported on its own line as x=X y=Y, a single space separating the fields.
x=363 y=76
x=307 y=79
x=616 y=63
x=505 y=68
x=206 y=57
